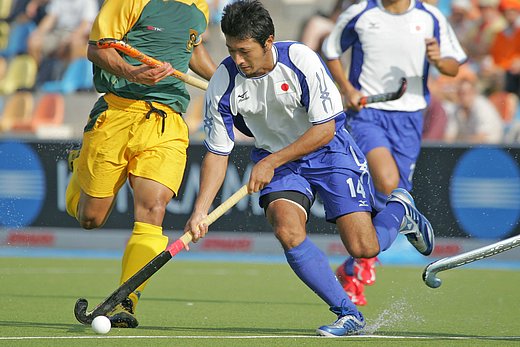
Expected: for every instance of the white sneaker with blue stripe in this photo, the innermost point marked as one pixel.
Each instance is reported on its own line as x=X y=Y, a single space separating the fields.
x=345 y=325
x=414 y=225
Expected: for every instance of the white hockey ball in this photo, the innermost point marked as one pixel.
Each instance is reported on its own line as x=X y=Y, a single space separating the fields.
x=101 y=325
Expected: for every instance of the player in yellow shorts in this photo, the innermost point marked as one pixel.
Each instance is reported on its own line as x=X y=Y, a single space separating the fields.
x=135 y=130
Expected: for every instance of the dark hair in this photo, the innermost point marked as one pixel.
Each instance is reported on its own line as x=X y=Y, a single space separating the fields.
x=247 y=19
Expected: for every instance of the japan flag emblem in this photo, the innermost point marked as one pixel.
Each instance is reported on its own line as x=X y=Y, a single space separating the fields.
x=416 y=28
x=283 y=87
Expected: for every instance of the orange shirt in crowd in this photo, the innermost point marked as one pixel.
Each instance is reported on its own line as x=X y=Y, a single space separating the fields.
x=506 y=48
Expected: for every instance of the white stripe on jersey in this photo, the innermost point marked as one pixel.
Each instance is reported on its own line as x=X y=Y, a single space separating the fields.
x=386 y=47
x=278 y=107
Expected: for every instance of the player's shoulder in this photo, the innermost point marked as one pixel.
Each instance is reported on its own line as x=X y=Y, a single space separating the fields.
x=226 y=71
x=291 y=45
x=229 y=65
x=202 y=6
x=361 y=5
x=356 y=10
x=295 y=52
x=421 y=5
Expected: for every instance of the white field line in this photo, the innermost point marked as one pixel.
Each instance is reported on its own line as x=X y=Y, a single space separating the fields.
x=245 y=337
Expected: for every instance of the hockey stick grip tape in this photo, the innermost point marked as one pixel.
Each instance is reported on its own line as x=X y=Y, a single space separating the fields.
x=145 y=59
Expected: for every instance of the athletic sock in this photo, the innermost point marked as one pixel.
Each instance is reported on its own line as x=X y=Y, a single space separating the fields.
x=312 y=266
x=146 y=242
x=387 y=223
x=348 y=266
x=72 y=195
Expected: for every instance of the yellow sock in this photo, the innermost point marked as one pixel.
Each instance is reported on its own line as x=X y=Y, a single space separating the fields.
x=72 y=196
x=146 y=242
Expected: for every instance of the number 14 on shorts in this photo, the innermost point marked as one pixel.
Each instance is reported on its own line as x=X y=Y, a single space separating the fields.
x=357 y=188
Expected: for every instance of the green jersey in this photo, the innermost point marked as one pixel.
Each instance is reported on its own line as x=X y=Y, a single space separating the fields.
x=164 y=29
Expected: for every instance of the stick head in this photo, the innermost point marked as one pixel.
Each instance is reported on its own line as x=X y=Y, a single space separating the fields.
x=80 y=311
x=403 y=83
x=402 y=88
x=430 y=278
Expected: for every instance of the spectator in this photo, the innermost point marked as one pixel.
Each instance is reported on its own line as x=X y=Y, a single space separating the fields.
x=460 y=18
x=63 y=32
x=27 y=10
x=478 y=41
x=473 y=119
x=445 y=87
x=484 y=30
x=505 y=48
x=318 y=26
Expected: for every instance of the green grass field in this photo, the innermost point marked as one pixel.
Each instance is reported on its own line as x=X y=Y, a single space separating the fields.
x=235 y=304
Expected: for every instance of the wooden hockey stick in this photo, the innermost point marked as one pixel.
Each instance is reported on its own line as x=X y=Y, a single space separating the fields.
x=385 y=96
x=430 y=272
x=80 y=309
x=145 y=59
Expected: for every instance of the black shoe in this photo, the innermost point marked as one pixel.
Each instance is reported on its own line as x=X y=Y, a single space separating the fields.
x=122 y=316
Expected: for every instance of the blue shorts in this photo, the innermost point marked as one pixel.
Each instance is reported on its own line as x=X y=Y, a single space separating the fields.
x=400 y=132
x=338 y=173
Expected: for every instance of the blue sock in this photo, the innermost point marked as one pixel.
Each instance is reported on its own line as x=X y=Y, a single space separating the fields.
x=312 y=266
x=387 y=223
x=348 y=266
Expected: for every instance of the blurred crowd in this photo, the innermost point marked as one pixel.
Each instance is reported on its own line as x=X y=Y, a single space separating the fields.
x=480 y=105
x=53 y=33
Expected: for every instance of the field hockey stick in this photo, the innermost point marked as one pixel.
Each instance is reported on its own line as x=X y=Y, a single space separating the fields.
x=430 y=272
x=80 y=309
x=385 y=96
x=145 y=59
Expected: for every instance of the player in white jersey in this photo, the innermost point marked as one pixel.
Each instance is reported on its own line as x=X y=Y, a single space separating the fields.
x=282 y=94
x=389 y=39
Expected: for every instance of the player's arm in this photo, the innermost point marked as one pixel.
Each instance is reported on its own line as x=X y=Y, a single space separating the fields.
x=335 y=44
x=446 y=66
x=212 y=174
x=350 y=94
x=201 y=62
x=444 y=51
x=109 y=60
x=219 y=143
x=114 y=20
x=314 y=138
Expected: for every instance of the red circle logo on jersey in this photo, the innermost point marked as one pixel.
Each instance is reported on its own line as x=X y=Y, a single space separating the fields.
x=285 y=87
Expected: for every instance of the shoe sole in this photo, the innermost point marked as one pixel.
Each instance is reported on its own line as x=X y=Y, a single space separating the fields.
x=327 y=334
x=404 y=196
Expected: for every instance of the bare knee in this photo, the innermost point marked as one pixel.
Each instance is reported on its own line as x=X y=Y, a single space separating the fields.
x=288 y=222
x=358 y=234
x=152 y=213
x=93 y=212
x=387 y=184
x=91 y=222
x=289 y=237
x=362 y=249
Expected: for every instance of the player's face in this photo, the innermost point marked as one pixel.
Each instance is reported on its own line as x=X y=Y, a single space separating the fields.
x=252 y=58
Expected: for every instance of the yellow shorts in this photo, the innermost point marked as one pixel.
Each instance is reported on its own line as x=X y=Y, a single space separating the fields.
x=123 y=141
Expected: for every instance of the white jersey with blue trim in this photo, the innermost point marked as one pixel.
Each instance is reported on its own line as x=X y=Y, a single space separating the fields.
x=386 y=47
x=276 y=108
